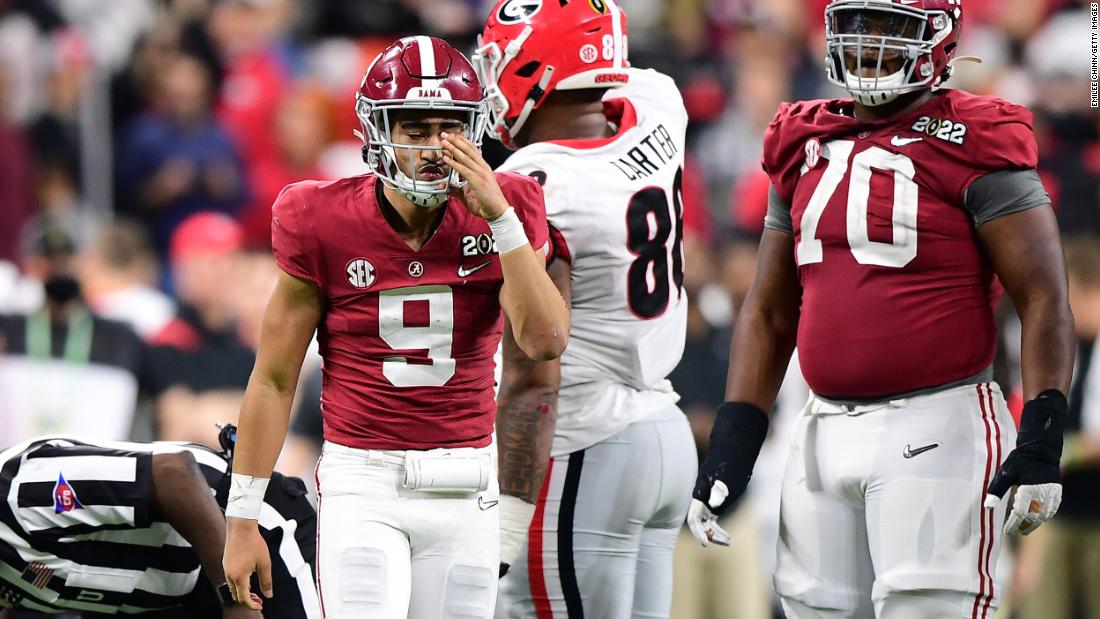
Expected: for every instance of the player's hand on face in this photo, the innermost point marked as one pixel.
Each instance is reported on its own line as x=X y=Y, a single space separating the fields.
x=703 y=523
x=481 y=194
x=245 y=553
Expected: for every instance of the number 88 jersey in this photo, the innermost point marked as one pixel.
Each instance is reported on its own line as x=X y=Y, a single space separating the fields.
x=615 y=213
x=897 y=294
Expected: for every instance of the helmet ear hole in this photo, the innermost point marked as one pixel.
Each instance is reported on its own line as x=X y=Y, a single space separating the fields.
x=528 y=69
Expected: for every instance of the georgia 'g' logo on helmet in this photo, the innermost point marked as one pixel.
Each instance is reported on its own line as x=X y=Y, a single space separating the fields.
x=530 y=48
x=515 y=11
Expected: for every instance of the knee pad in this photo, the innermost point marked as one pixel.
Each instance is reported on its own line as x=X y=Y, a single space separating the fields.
x=363 y=576
x=469 y=593
x=931 y=603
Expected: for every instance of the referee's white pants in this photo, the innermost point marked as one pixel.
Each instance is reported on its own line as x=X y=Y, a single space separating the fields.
x=600 y=545
x=387 y=552
x=874 y=522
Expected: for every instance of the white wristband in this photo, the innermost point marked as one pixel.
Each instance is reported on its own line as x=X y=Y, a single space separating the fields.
x=246 y=496
x=515 y=519
x=508 y=231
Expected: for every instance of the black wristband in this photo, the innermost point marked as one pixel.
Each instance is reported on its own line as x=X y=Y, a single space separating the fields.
x=1043 y=421
x=735 y=441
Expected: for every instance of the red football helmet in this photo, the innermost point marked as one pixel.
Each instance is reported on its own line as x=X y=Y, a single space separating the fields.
x=416 y=73
x=919 y=36
x=532 y=47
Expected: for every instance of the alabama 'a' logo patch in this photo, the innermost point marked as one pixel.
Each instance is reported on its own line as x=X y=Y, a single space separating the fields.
x=64 y=497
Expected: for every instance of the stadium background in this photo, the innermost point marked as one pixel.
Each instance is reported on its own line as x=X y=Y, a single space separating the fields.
x=122 y=120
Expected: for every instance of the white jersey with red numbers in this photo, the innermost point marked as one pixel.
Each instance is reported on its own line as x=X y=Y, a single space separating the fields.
x=615 y=213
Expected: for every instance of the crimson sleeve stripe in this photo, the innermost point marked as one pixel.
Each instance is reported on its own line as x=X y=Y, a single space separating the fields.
x=535 y=572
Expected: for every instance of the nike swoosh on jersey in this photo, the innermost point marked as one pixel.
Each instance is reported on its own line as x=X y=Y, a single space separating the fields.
x=464 y=272
x=897 y=140
x=484 y=505
x=910 y=452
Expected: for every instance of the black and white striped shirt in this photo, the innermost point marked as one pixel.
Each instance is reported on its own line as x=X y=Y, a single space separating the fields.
x=79 y=529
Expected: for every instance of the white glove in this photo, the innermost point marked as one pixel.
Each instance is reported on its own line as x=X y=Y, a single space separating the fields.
x=703 y=523
x=515 y=519
x=1032 y=506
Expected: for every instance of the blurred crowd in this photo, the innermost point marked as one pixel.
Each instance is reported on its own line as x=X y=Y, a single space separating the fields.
x=142 y=143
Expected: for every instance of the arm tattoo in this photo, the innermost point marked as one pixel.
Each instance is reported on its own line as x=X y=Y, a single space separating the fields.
x=525 y=429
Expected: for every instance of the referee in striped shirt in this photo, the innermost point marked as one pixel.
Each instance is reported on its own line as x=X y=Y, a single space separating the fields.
x=105 y=527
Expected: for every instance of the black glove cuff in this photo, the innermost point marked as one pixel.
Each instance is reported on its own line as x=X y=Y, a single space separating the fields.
x=735 y=441
x=1043 y=422
x=739 y=424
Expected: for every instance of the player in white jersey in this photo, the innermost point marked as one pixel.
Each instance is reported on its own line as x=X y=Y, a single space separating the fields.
x=591 y=501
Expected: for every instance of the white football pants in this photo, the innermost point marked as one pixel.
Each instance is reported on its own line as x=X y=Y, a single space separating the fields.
x=387 y=552
x=881 y=513
x=600 y=545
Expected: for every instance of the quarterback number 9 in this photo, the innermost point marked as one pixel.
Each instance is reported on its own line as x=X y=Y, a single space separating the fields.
x=436 y=337
x=650 y=221
x=903 y=247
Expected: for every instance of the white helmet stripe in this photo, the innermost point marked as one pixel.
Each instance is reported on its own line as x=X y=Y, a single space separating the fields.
x=427 y=61
x=617 y=33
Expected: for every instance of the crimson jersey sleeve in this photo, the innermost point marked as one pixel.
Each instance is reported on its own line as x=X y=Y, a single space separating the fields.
x=292 y=236
x=785 y=139
x=1000 y=137
x=524 y=193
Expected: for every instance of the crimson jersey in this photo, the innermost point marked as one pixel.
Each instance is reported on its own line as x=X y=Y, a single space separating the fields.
x=897 y=294
x=408 y=336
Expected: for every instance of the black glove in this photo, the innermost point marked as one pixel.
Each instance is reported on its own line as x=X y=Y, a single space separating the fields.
x=1038 y=449
x=735 y=440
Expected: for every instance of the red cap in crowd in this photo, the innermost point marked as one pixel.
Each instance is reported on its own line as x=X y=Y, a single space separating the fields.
x=205 y=234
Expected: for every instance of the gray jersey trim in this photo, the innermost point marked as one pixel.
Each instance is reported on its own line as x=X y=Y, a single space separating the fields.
x=1002 y=193
x=779 y=213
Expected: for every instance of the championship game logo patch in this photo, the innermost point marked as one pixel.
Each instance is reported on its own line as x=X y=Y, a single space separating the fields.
x=64 y=497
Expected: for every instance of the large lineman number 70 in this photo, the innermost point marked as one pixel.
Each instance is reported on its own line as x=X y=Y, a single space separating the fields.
x=903 y=248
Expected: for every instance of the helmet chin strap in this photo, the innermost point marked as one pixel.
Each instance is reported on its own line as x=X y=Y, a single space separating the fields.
x=424 y=199
x=894 y=87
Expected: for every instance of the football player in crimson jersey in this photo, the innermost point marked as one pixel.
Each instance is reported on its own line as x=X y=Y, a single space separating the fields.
x=894 y=219
x=403 y=273
x=606 y=140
